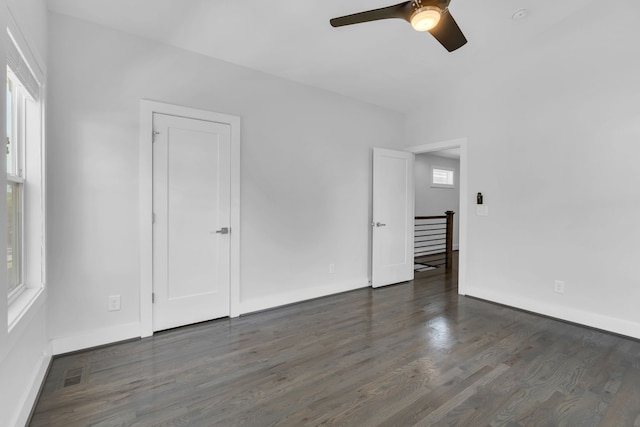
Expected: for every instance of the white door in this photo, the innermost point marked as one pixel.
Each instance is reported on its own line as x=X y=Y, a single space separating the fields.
x=191 y=206
x=393 y=217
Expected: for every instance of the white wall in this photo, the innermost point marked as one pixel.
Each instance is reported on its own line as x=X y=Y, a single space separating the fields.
x=434 y=200
x=543 y=125
x=24 y=351
x=305 y=180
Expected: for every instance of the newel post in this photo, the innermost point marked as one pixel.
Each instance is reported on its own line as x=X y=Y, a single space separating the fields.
x=449 y=244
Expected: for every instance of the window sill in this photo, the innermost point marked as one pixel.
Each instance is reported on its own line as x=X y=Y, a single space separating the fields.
x=20 y=307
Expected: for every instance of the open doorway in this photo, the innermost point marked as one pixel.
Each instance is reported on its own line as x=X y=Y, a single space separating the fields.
x=440 y=186
x=437 y=201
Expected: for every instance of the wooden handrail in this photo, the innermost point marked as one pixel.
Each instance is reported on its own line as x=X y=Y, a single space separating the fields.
x=432 y=217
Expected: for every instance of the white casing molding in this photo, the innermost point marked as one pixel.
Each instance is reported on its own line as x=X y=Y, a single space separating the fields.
x=147 y=108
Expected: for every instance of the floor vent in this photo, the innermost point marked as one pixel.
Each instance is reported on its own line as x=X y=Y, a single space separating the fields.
x=73 y=377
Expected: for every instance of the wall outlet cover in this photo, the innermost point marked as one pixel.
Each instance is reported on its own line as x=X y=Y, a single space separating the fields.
x=114 y=303
x=558 y=286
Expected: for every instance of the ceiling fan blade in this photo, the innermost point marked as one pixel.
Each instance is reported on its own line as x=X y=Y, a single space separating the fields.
x=448 y=33
x=402 y=11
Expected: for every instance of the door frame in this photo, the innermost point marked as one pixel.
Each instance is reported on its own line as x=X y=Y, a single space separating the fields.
x=147 y=109
x=464 y=199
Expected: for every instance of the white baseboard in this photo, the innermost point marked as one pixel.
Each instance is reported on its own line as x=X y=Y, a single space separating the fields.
x=29 y=399
x=273 y=301
x=95 y=338
x=117 y=333
x=587 y=318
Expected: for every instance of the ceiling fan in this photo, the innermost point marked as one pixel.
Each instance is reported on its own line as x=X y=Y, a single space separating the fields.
x=424 y=15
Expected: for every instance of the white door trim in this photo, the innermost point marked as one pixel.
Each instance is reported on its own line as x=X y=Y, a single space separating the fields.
x=147 y=108
x=464 y=199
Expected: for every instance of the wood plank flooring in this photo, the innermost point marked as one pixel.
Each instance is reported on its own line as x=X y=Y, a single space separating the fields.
x=410 y=354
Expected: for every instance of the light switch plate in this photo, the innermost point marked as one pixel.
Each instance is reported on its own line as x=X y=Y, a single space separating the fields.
x=482 y=210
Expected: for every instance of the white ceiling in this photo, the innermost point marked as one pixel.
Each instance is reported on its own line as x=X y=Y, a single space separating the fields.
x=377 y=62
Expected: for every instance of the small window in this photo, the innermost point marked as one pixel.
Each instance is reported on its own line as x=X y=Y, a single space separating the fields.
x=442 y=177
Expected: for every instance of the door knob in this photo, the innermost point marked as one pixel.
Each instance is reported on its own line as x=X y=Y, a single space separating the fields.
x=379 y=224
x=223 y=230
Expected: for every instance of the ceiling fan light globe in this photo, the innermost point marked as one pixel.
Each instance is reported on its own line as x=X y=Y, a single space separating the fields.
x=425 y=18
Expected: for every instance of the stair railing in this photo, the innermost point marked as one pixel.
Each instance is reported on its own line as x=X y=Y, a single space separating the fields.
x=433 y=242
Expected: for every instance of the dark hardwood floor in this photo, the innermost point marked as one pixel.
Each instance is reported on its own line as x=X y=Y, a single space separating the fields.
x=410 y=354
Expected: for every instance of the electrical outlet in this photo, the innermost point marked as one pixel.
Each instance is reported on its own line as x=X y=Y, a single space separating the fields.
x=114 y=303
x=332 y=268
x=558 y=286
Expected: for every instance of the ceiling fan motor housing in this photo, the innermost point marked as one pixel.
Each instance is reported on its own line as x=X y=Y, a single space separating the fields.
x=440 y=4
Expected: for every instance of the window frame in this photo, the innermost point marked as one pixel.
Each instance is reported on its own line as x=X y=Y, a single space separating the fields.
x=449 y=170
x=19 y=98
x=33 y=175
